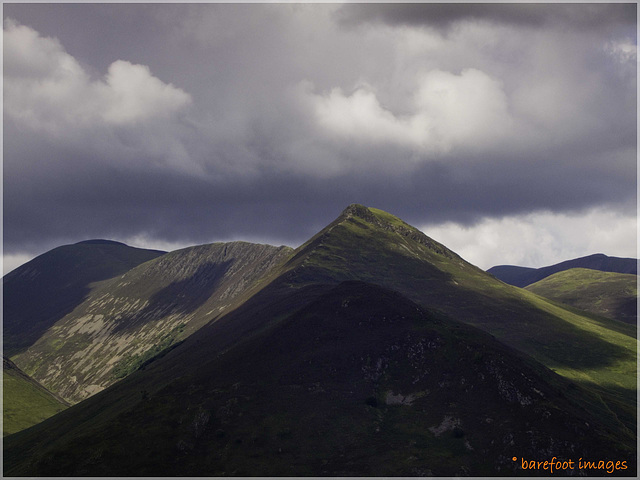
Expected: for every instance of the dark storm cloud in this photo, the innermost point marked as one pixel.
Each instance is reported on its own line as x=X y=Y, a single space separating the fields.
x=443 y=15
x=99 y=200
x=216 y=122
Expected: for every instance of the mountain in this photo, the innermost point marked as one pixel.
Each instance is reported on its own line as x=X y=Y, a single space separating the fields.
x=42 y=291
x=370 y=245
x=126 y=320
x=523 y=276
x=25 y=401
x=612 y=295
x=357 y=332
x=340 y=380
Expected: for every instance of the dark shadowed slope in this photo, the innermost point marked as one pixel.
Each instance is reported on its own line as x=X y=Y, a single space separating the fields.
x=39 y=293
x=523 y=276
x=126 y=320
x=25 y=401
x=612 y=295
x=340 y=380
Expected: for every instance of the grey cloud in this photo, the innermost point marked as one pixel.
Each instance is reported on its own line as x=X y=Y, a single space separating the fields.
x=259 y=165
x=99 y=200
x=443 y=15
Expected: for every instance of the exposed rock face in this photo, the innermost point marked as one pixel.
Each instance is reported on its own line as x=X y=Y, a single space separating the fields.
x=127 y=319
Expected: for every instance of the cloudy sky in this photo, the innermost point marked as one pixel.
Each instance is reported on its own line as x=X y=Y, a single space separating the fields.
x=506 y=131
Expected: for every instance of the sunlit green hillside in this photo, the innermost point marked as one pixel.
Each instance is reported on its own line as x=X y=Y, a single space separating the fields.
x=612 y=295
x=25 y=401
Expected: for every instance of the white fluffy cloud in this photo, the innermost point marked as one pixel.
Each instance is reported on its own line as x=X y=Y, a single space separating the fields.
x=469 y=109
x=131 y=94
x=540 y=239
x=47 y=89
x=127 y=115
x=449 y=111
x=360 y=117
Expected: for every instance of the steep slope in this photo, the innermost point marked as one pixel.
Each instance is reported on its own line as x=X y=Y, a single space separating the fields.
x=130 y=318
x=344 y=380
x=523 y=276
x=370 y=245
x=25 y=401
x=612 y=295
x=373 y=246
x=39 y=293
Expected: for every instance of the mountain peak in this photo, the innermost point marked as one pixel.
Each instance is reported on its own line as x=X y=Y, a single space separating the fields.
x=375 y=216
x=391 y=223
x=357 y=210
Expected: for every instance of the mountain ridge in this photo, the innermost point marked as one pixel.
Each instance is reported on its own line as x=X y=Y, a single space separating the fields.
x=523 y=276
x=364 y=267
x=575 y=346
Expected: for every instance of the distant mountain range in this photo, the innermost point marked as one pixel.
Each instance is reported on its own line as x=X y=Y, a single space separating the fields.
x=369 y=350
x=523 y=276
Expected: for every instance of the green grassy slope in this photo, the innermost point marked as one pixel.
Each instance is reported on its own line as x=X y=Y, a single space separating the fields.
x=127 y=319
x=612 y=295
x=25 y=402
x=371 y=245
x=39 y=293
x=346 y=380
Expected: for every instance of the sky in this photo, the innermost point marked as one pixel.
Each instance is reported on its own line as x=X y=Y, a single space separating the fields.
x=508 y=132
